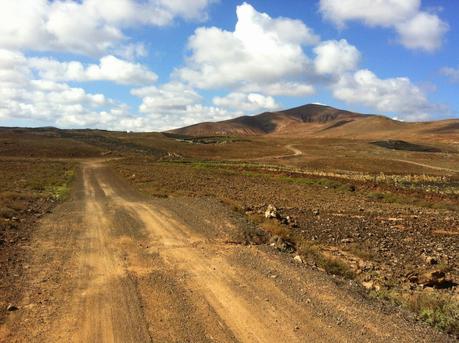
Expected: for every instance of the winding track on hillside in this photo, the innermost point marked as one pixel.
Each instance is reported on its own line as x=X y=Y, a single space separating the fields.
x=110 y=265
x=295 y=152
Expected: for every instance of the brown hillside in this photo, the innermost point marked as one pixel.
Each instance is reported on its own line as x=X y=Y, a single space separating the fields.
x=325 y=121
x=308 y=116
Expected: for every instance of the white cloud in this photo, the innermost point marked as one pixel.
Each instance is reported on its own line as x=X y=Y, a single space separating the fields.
x=174 y=105
x=424 y=31
x=394 y=95
x=336 y=57
x=417 y=29
x=194 y=114
x=374 y=13
x=53 y=103
x=170 y=97
x=297 y=89
x=262 y=58
x=260 y=51
x=13 y=68
x=451 y=73
x=110 y=68
x=90 y=27
x=247 y=103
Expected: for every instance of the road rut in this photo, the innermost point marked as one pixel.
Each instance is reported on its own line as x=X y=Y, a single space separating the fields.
x=114 y=266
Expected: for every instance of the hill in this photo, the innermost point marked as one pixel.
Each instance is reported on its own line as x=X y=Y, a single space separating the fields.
x=271 y=122
x=323 y=121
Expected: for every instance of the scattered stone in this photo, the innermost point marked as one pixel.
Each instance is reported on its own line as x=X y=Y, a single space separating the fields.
x=368 y=284
x=248 y=209
x=316 y=212
x=371 y=285
x=271 y=212
x=347 y=240
x=412 y=277
x=12 y=308
x=298 y=259
x=431 y=260
x=281 y=244
x=436 y=279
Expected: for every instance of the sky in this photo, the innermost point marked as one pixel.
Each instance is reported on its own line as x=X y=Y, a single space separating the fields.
x=153 y=65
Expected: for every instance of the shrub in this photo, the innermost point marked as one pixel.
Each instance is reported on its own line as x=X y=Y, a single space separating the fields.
x=439 y=310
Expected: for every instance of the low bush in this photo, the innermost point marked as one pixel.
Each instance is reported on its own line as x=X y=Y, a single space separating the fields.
x=439 y=310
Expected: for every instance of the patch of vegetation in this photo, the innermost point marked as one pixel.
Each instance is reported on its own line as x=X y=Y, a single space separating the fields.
x=324 y=182
x=362 y=250
x=275 y=228
x=23 y=181
x=404 y=146
x=331 y=265
x=387 y=295
x=402 y=199
x=62 y=191
x=436 y=309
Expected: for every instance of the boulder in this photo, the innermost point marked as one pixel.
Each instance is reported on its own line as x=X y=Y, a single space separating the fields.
x=298 y=259
x=436 y=279
x=271 y=212
x=281 y=244
x=12 y=308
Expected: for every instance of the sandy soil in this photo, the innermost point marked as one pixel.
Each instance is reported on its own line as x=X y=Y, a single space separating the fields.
x=110 y=265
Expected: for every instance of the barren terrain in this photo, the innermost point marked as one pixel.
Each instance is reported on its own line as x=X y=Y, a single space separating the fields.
x=123 y=237
x=131 y=270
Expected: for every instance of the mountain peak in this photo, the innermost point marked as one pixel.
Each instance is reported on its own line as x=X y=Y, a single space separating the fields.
x=279 y=122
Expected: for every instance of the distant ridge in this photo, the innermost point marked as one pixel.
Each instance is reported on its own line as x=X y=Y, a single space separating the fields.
x=321 y=121
x=271 y=122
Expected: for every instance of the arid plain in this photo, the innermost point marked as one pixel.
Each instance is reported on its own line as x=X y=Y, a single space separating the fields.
x=311 y=224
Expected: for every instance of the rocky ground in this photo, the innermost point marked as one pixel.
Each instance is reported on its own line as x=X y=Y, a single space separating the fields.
x=390 y=237
x=111 y=264
x=30 y=189
x=404 y=252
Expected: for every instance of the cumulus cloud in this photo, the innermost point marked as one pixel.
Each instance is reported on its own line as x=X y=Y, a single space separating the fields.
x=394 y=95
x=22 y=95
x=260 y=51
x=110 y=68
x=170 y=97
x=417 y=29
x=335 y=57
x=252 y=102
x=175 y=104
x=451 y=73
x=296 y=89
x=424 y=31
x=262 y=58
x=89 y=27
x=374 y=13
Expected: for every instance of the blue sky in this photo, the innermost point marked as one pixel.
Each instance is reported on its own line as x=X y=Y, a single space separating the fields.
x=157 y=64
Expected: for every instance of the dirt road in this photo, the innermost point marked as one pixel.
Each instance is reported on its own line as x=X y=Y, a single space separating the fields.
x=111 y=265
x=427 y=166
x=294 y=152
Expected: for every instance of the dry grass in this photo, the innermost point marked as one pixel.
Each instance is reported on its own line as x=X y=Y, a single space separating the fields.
x=441 y=311
x=362 y=250
x=274 y=228
x=436 y=309
x=331 y=265
x=22 y=181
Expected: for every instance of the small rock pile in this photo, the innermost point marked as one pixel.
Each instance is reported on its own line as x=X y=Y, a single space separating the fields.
x=273 y=213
